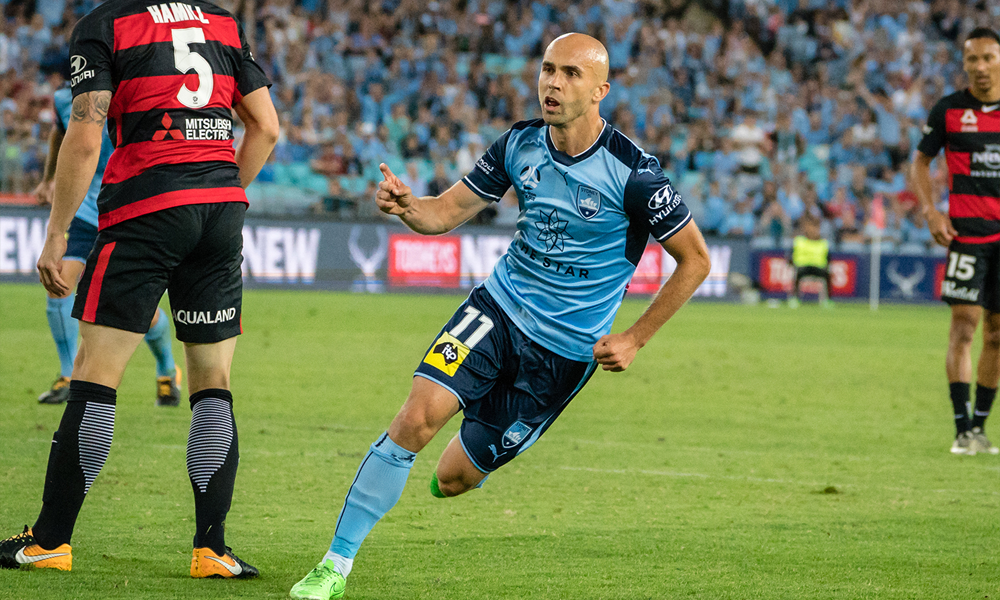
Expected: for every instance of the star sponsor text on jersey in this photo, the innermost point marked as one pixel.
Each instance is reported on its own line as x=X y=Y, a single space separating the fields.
x=550 y=263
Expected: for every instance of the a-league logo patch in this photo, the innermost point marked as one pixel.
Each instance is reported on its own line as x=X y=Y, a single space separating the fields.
x=515 y=434
x=588 y=201
x=447 y=354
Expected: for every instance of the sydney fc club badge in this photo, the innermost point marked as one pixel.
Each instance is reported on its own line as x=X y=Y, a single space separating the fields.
x=588 y=201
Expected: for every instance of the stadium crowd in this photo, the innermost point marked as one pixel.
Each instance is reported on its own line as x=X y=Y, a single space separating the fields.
x=761 y=111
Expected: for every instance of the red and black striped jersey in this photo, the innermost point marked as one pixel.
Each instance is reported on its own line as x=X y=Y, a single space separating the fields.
x=175 y=71
x=969 y=131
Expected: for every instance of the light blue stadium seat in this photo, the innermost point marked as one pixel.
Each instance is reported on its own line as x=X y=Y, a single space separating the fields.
x=912 y=249
x=282 y=175
x=853 y=247
x=299 y=173
x=316 y=183
x=353 y=185
x=762 y=242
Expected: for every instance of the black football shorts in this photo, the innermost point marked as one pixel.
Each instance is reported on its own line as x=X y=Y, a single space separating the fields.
x=194 y=252
x=972 y=275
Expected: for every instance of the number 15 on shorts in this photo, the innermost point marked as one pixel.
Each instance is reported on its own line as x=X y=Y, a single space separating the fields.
x=447 y=352
x=961 y=266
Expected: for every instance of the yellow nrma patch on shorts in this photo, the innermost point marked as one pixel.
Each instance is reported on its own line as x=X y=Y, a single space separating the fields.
x=447 y=354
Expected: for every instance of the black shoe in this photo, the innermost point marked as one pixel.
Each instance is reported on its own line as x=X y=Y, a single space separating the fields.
x=21 y=550
x=206 y=563
x=58 y=393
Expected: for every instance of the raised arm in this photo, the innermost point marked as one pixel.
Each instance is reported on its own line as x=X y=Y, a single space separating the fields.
x=260 y=123
x=78 y=157
x=430 y=215
x=616 y=351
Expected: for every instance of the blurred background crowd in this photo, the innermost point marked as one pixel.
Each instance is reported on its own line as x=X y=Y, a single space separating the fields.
x=760 y=111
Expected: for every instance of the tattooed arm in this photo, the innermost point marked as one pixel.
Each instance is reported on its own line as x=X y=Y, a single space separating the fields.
x=77 y=163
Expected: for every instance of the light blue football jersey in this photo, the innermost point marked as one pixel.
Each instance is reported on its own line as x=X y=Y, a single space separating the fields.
x=584 y=223
x=63 y=100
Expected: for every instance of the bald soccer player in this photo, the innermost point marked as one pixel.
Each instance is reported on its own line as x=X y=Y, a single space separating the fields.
x=527 y=340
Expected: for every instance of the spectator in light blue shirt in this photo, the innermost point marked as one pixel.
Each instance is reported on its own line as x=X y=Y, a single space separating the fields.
x=791 y=201
x=621 y=37
x=816 y=134
x=726 y=162
x=375 y=107
x=716 y=209
x=740 y=222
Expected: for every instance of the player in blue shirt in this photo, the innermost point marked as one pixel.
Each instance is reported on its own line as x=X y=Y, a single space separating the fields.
x=79 y=242
x=526 y=341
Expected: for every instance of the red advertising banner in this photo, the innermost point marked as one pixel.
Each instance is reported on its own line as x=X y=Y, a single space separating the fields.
x=648 y=273
x=416 y=260
x=776 y=275
x=938 y=280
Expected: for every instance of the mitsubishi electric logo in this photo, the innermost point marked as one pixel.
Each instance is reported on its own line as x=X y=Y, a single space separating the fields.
x=167 y=123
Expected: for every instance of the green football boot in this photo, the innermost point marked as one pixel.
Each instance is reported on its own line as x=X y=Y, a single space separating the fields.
x=322 y=583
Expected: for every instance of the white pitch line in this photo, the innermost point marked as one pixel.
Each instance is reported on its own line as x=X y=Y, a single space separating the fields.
x=678 y=475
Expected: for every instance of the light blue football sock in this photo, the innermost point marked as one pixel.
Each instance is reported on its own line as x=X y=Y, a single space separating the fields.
x=65 y=330
x=160 y=344
x=376 y=488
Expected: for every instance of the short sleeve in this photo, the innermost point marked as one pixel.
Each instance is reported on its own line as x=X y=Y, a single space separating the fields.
x=251 y=77
x=934 y=131
x=652 y=201
x=62 y=101
x=90 y=57
x=489 y=179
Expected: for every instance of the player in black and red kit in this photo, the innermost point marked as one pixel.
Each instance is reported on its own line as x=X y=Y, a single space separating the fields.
x=165 y=78
x=967 y=125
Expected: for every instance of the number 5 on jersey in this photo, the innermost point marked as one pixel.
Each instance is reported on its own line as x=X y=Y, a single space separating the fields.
x=447 y=352
x=185 y=60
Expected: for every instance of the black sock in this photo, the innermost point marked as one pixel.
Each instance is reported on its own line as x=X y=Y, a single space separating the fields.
x=984 y=401
x=212 y=457
x=960 y=402
x=79 y=449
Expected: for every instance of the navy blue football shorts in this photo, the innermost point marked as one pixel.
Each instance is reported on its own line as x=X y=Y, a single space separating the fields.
x=79 y=240
x=510 y=388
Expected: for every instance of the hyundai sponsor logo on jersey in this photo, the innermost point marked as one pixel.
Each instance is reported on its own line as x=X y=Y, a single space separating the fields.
x=77 y=64
x=515 y=434
x=588 y=201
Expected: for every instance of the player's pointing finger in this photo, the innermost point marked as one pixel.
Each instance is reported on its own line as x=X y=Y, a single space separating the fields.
x=387 y=173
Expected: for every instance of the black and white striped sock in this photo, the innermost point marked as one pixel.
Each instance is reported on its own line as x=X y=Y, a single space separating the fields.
x=79 y=450
x=212 y=458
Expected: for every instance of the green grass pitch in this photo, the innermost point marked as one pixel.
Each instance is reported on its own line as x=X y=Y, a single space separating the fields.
x=747 y=453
